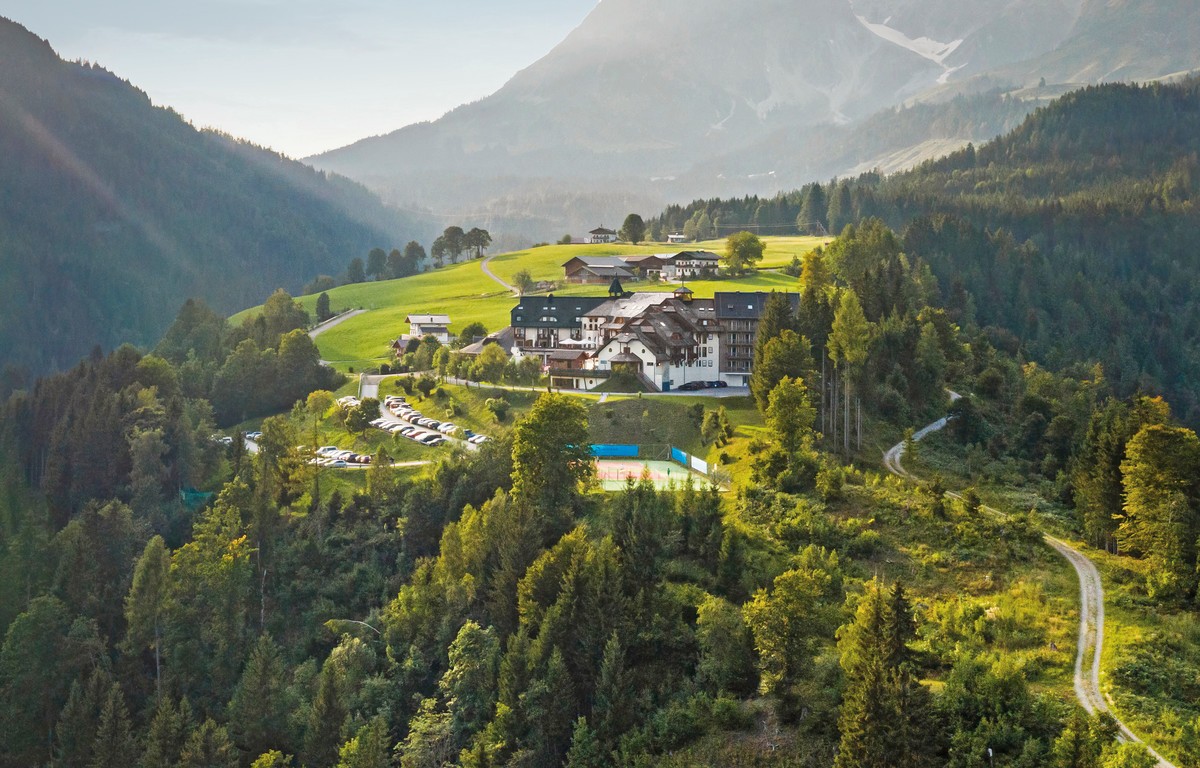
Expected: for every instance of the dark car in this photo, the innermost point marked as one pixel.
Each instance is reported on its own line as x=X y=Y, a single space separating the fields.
x=716 y=384
x=691 y=386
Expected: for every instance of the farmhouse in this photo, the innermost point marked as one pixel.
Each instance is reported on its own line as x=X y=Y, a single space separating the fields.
x=596 y=269
x=601 y=236
x=437 y=326
x=689 y=264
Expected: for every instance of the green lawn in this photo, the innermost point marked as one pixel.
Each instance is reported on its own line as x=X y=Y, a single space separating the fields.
x=468 y=295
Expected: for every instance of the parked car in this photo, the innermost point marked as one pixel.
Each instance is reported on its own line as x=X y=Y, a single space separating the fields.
x=468 y=434
x=691 y=386
x=326 y=450
x=339 y=464
x=716 y=384
x=432 y=440
x=447 y=428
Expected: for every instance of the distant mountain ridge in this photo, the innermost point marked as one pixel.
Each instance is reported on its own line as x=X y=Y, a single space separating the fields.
x=671 y=99
x=113 y=212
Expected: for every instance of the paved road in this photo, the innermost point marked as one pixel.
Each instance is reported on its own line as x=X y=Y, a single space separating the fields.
x=487 y=270
x=334 y=322
x=331 y=323
x=1091 y=603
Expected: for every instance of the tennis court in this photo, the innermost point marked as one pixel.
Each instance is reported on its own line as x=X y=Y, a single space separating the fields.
x=612 y=474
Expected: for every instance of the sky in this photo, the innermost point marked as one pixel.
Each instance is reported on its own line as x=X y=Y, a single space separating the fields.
x=304 y=76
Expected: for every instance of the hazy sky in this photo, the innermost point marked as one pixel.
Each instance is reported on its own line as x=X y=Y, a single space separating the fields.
x=302 y=76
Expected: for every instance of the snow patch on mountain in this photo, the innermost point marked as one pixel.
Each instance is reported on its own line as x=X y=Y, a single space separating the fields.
x=922 y=46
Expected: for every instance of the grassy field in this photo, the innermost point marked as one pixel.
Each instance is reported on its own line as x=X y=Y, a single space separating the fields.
x=468 y=295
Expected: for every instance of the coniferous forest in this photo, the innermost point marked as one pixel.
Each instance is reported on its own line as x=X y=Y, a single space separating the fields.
x=169 y=600
x=121 y=210
x=1073 y=237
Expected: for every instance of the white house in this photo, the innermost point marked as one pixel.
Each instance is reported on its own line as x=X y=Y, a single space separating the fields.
x=691 y=264
x=601 y=236
x=437 y=326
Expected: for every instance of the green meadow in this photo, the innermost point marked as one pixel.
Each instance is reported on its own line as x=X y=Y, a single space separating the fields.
x=465 y=293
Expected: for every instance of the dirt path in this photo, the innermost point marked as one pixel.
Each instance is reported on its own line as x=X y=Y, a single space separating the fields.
x=1091 y=602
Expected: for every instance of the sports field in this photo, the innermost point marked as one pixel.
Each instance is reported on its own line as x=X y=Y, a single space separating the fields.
x=613 y=474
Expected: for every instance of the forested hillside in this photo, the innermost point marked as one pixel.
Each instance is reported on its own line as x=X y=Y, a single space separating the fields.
x=113 y=211
x=497 y=610
x=1074 y=235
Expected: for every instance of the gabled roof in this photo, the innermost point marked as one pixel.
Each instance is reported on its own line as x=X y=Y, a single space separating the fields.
x=428 y=319
x=597 y=261
x=603 y=231
x=616 y=273
x=697 y=256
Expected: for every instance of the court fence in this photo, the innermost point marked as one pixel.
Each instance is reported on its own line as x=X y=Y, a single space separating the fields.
x=655 y=453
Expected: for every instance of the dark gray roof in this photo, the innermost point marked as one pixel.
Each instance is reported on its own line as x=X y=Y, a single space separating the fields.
x=746 y=306
x=554 y=311
x=597 y=261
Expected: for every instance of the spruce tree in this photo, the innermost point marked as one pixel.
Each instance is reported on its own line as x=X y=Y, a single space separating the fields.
x=209 y=747
x=79 y=720
x=258 y=711
x=885 y=712
x=325 y=721
x=114 y=746
x=585 y=749
x=612 y=711
x=169 y=731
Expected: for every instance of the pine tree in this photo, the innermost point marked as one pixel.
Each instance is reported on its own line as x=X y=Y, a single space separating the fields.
x=169 y=731
x=77 y=724
x=469 y=683
x=146 y=603
x=585 y=749
x=114 y=745
x=612 y=710
x=813 y=212
x=258 y=711
x=371 y=747
x=209 y=747
x=1078 y=746
x=550 y=709
x=325 y=721
x=884 y=716
x=777 y=317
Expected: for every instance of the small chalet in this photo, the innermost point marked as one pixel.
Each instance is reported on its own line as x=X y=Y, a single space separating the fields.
x=601 y=236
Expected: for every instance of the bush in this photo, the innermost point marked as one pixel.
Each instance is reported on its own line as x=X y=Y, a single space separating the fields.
x=498 y=407
x=730 y=715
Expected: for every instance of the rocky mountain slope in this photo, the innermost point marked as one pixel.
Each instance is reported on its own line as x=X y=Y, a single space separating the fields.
x=651 y=98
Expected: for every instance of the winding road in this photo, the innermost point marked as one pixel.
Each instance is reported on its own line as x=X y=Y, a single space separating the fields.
x=1091 y=602
x=485 y=265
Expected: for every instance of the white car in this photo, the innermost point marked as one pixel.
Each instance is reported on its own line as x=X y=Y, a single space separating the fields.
x=326 y=450
x=447 y=428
